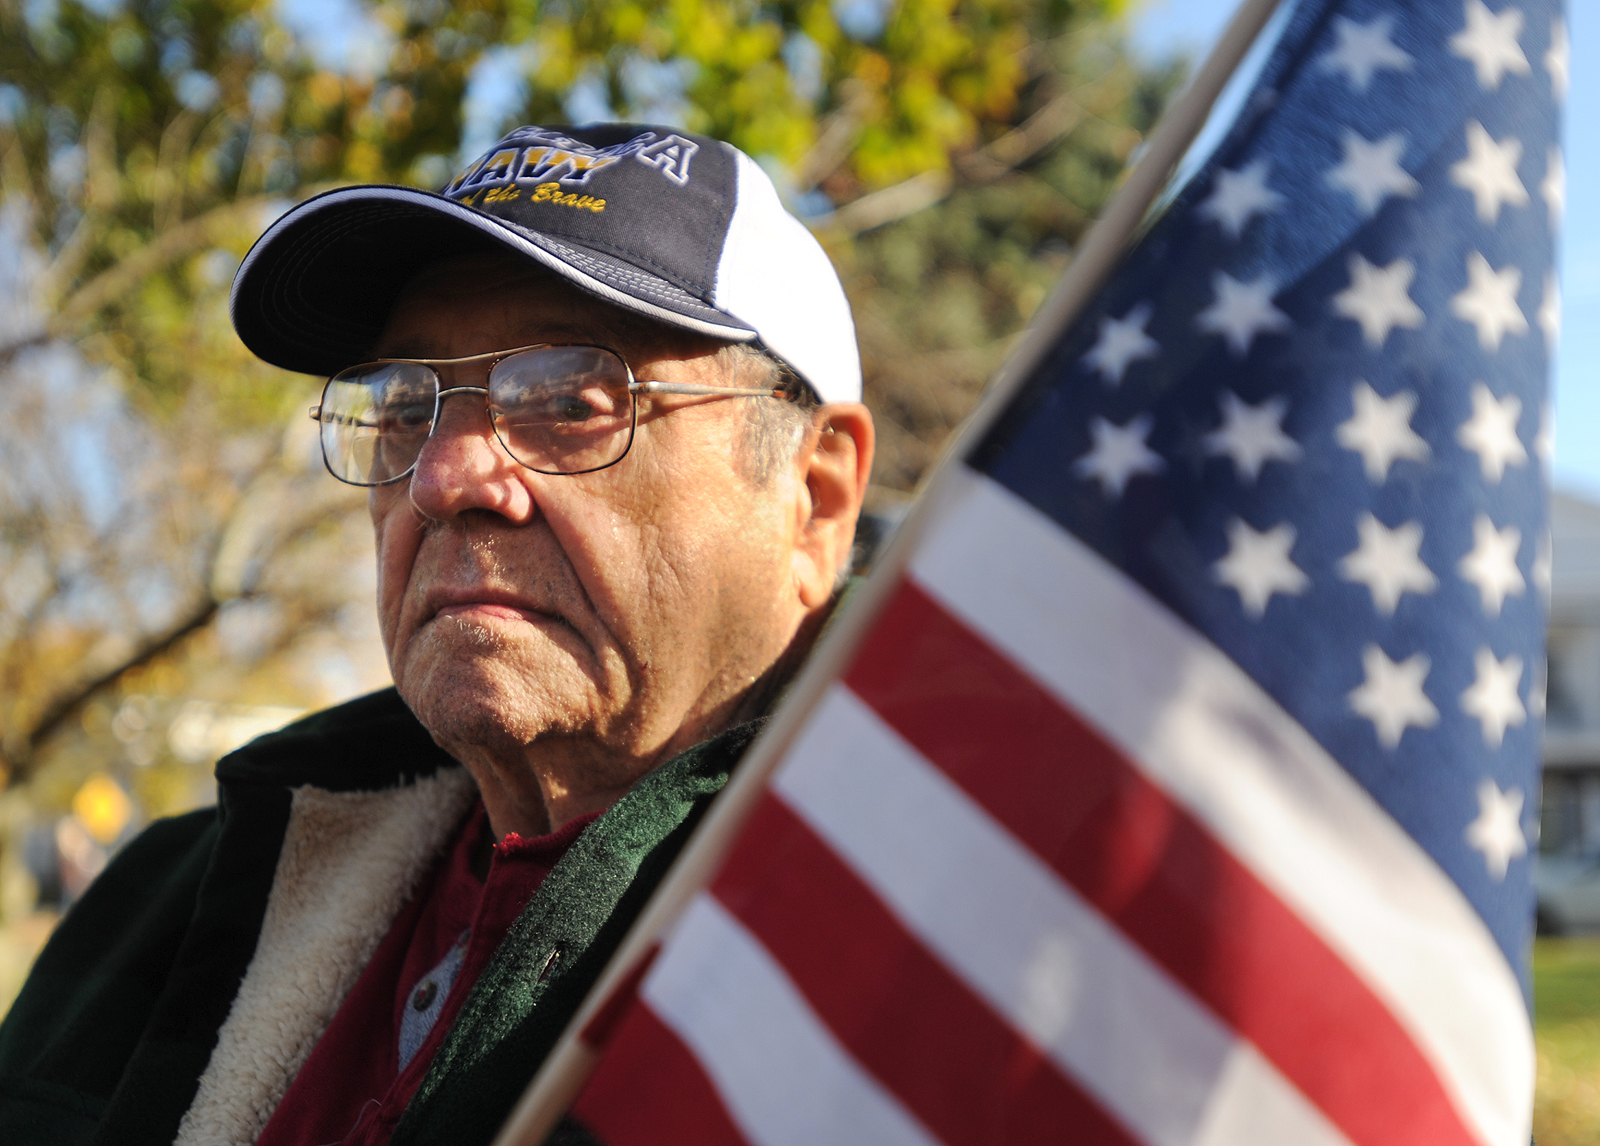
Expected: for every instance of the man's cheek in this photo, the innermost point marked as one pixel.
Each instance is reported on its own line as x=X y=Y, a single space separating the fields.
x=399 y=542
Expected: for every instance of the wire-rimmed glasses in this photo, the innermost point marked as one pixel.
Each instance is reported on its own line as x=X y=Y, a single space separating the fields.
x=557 y=409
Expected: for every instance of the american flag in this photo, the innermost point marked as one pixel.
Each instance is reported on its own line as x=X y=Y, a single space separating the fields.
x=1184 y=790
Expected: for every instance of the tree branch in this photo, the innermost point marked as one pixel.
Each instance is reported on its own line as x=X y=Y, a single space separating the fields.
x=64 y=707
x=117 y=280
x=163 y=250
x=1054 y=120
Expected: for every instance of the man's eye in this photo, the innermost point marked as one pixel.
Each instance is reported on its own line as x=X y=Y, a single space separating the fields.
x=401 y=417
x=573 y=409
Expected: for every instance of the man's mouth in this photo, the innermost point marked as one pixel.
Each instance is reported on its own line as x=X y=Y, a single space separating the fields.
x=487 y=606
x=473 y=609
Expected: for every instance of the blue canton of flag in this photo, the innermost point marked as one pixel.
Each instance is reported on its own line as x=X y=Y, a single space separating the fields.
x=1310 y=416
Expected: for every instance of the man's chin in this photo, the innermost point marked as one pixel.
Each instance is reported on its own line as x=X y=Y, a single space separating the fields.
x=491 y=693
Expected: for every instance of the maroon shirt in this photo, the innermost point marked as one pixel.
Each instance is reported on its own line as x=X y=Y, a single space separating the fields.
x=353 y=1087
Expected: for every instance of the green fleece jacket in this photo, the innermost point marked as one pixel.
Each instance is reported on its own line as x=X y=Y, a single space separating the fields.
x=178 y=997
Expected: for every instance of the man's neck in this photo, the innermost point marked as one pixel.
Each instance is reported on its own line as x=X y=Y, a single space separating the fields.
x=538 y=788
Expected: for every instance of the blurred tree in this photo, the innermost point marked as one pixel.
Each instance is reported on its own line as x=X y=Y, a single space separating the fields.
x=170 y=553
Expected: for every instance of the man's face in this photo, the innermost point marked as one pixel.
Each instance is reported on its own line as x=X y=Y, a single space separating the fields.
x=623 y=612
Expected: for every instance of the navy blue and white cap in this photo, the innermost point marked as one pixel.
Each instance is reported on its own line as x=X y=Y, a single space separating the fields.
x=681 y=228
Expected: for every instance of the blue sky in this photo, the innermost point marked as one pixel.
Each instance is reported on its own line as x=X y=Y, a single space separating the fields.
x=1164 y=27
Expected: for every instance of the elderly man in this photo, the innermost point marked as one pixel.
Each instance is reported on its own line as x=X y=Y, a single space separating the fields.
x=604 y=392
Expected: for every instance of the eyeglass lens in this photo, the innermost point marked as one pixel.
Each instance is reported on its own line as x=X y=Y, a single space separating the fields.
x=556 y=409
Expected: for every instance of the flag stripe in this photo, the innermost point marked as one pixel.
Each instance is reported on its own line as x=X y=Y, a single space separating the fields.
x=653 y=1092
x=1176 y=706
x=1028 y=944
x=1145 y=863
x=919 y=1029
x=784 y=1078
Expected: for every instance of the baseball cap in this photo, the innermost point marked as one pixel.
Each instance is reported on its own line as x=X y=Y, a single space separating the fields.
x=679 y=227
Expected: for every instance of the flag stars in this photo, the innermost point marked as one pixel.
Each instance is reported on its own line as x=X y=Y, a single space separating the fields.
x=1554 y=187
x=1364 y=49
x=1121 y=343
x=1543 y=566
x=1118 y=454
x=1257 y=565
x=1492 y=698
x=1380 y=431
x=1550 y=312
x=1386 y=561
x=1240 y=196
x=1489 y=42
x=1489 y=302
x=1489 y=172
x=1544 y=441
x=1392 y=697
x=1492 y=564
x=1558 y=60
x=1497 y=832
x=1491 y=432
x=1241 y=311
x=1379 y=299
x=1252 y=436
x=1371 y=172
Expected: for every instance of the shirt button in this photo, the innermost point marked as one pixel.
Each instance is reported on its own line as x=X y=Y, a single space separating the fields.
x=424 y=997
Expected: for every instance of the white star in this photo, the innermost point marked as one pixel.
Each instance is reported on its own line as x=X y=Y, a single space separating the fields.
x=1492 y=564
x=1379 y=299
x=1241 y=311
x=1497 y=832
x=1490 y=172
x=1491 y=432
x=1490 y=42
x=1387 y=562
x=1490 y=302
x=1558 y=60
x=1543 y=565
x=1257 y=565
x=1252 y=435
x=1550 y=312
x=1544 y=442
x=1380 y=431
x=1119 y=452
x=1492 y=698
x=1363 y=49
x=1554 y=187
x=1371 y=171
x=1121 y=342
x=1392 y=697
x=1240 y=196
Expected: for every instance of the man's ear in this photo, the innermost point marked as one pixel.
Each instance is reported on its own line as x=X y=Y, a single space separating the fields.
x=836 y=461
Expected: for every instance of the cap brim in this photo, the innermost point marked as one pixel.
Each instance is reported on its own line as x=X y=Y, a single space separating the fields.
x=315 y=291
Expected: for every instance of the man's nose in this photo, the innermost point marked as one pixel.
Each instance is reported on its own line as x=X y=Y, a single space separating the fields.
x=463 y=466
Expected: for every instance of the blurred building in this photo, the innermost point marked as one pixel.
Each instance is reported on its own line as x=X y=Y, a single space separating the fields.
x=1570 y=812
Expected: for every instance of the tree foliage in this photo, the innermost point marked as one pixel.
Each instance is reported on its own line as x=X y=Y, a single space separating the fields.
x=166 y=537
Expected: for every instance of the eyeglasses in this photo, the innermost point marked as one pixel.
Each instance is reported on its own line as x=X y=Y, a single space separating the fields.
x=555 y=409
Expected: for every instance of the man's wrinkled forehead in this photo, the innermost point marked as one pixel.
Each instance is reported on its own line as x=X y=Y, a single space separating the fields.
x=493 y=280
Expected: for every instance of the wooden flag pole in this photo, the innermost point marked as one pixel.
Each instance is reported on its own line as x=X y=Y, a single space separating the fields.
x=570 y=1062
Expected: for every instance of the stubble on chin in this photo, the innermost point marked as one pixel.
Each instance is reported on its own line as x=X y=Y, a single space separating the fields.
x=471 y=685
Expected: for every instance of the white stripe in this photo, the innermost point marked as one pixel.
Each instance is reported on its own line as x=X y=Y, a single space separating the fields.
x=1217 y=743
x=1048 y=962
x=785 y=1079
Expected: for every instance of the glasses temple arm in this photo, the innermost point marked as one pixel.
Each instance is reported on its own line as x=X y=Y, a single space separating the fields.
x=696 y=388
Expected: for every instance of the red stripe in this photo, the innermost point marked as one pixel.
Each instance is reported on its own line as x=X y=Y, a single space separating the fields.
x=955 y=1064
x=649 y=1090
x=1148 y=865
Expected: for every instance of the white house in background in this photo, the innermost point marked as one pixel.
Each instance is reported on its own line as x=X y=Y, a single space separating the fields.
x=1570 y=812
